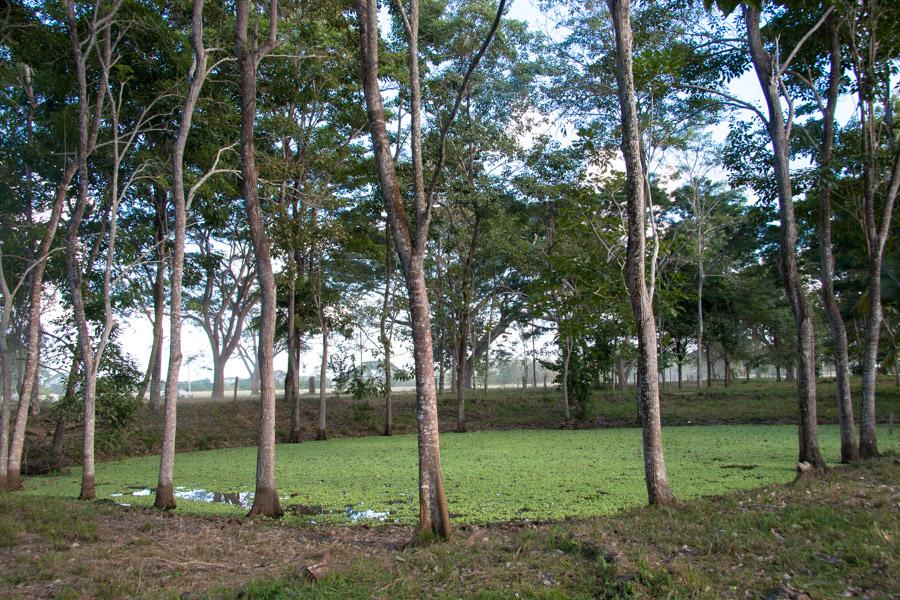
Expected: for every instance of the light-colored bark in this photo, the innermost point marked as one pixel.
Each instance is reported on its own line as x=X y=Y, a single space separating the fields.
x=658 y=491
x=866 y=46
x=769 y=75
x=322 y=426
x=165 y=498
x=384 y=332
x=250 y=53
x=849 y=449
x=434 y=518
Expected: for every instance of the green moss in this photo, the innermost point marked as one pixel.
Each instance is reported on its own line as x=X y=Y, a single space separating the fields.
x=488 y=476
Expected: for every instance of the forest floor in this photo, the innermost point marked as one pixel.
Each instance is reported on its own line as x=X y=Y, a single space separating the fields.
x=830 y=537
x=206 y=425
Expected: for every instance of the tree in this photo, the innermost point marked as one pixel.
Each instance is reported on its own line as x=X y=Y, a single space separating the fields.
x=227 y=293
x=434 y=519
x=769 y=72
x=250 y=53
x=658 y=491
x=871 y=68
x=181 y=202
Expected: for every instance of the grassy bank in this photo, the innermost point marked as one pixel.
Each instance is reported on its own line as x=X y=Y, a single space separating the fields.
x=831 y=537
x=205 y=425
x=489 y=476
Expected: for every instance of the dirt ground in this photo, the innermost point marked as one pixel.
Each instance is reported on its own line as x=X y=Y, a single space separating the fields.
x=142 y=552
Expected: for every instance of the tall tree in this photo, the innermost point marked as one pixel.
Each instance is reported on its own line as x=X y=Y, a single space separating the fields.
x=250 y=52
x=657 y=480
x=181 y=202
x=434 y=518
x=870 y=45
x=770 y=72
x=849 y=449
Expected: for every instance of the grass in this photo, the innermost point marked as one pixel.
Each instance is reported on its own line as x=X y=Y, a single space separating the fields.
x=830 y=537
x=206 y=425
x=489 y=476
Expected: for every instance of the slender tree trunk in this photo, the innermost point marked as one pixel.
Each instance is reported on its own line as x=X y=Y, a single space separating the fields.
x=153 y=378
x=876 y=234
x=710 y=367
x=383 y=332
x=567 y=357
x=292 y=388
x=461 y=352
x=769 y=78
x=165 y=498
x=434 y=519
x=620 y=372
x=6 y=391
x=658 y=491
x=265 y=500
x=322 y=428
x=74 y=266
x=727 y=360
x=34 y=399
x=679 y=374
x=849 y=449
x=59 y=430
x=700 y=326
x=17 y=437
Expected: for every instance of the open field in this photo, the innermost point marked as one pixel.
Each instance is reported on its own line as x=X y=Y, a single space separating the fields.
x=489 y=476
x=205 y=425
x=831 y=537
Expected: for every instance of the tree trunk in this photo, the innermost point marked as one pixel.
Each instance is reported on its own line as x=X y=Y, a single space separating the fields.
x=34 y=399
x=769 y=79
x=461 y=351
x=6 y=386
x=620 y=371
x=710 y=366
x=265 y=500
x=254 y=380
x=292 y=393
x=658 y=491
x=876 y=234
x=679 y=374
x=153 y=379
x=434 y=519
x=701 y=277
x=218 y=383
x=567 y=357
x=165 y=498
x=321 y=429
x=74 y=266
x=17 y=437
x=849 y=449
x=727 y=360
x=383 y=333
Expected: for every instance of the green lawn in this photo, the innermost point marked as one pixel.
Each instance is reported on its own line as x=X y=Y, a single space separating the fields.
x=489 y=475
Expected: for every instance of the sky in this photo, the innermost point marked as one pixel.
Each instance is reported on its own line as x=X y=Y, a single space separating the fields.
x=138 y=330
